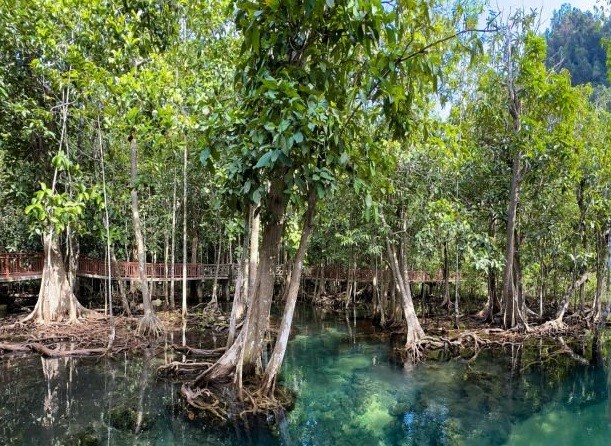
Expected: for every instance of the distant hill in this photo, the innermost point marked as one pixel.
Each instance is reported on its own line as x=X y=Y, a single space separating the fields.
x=574 y=43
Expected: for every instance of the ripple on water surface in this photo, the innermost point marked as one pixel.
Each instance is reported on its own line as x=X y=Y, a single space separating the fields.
x=349 y=393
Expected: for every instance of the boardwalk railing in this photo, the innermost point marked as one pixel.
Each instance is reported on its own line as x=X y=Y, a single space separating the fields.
x=28 y=266
x=154 y=271
x=20 y=266
x=367 y=275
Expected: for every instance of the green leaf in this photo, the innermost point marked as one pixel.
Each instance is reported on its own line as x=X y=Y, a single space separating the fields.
x=298 y=137
x=256 y=196
x=285 y=159
x=265 y=160
x=255 y=39
x=204 y=156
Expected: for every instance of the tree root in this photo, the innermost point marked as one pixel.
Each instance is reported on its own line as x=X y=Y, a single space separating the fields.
x=197 y=351
x=62 y=339
x=183 y=370
x=47 y=352
x=205 y=401
x=553 y=326
x=226 y=403
x=150 y=326
x=59 y=353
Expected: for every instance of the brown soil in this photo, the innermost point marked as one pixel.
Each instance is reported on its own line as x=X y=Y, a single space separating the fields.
x=91 y=336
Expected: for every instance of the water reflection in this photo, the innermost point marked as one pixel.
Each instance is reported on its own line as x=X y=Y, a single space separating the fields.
x=350 y=392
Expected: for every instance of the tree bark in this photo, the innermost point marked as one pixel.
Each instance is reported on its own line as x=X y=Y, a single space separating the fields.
x=56 y=300
x=239 y=298
x=446 y=277
x=600 y=275
x=244 y=355
x=214 y=303
x=253 y=258
x=567 y=295
x=512 y=312
x=273 y=367
x=121 y=283
x=184 y=235
x=414 y=330
x=149 y=324
x=173 y=247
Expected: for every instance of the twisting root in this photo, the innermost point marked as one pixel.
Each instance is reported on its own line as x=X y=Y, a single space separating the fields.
x=229 y=402
x=150 y=326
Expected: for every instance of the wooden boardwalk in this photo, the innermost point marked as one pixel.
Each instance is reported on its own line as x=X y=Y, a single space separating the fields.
x=28 y=266
x=98 y=269
x=15 y=267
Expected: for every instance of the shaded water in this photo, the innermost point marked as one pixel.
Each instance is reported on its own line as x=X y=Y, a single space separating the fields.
x=349 y=392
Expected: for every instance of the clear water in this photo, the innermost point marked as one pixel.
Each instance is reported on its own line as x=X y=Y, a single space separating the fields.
x=349 y=393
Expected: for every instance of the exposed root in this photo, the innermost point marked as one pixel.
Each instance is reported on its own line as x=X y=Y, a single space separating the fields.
x=60 y=353
x=150 y=326
x=414 y=351
x=569 y=351
x=553 y=326
x=183 y=370
x=226 y=403
x=62 y=339
x=205 y=401
x=198 y=351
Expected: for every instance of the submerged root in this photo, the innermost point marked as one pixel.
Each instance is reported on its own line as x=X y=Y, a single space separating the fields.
x=236 y=403
x=150 y=326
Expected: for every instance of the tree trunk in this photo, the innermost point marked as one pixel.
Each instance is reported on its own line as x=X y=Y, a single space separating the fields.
x=56 y=301
x=244 y=355
x=567 y=295
x=581 y=230
x=512 y=312
x=414 y=330
x=446 y=277
x=239 y=298
x=214 y=303
x=149 y=324
x=600 y=274
x=383 y=302
x=121 y=283
x=194 y=245
x=72 y=258
x=273 y=367
x=253 y=259
x=173 y=247
x=184 y=235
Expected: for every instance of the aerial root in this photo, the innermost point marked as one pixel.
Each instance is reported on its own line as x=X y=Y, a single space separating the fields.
x=150 y=326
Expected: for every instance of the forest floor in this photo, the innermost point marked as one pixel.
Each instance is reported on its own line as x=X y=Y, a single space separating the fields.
x=92 y=336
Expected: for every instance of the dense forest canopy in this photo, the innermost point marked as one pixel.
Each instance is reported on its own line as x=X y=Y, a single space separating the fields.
x=576 y=41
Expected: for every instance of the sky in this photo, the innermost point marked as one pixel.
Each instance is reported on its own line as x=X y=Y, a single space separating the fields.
x=546 y=6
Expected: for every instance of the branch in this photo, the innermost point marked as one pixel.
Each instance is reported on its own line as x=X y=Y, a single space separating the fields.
x=404 y=58
x=425 y=48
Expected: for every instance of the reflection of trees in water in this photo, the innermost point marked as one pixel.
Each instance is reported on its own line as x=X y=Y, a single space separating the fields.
x=58 y=373
x=50 y=370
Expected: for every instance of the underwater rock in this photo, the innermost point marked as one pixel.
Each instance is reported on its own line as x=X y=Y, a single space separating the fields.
x=126 y=419
x=87 y=437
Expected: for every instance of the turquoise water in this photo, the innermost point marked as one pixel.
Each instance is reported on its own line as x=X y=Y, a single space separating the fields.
x=349 y=393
